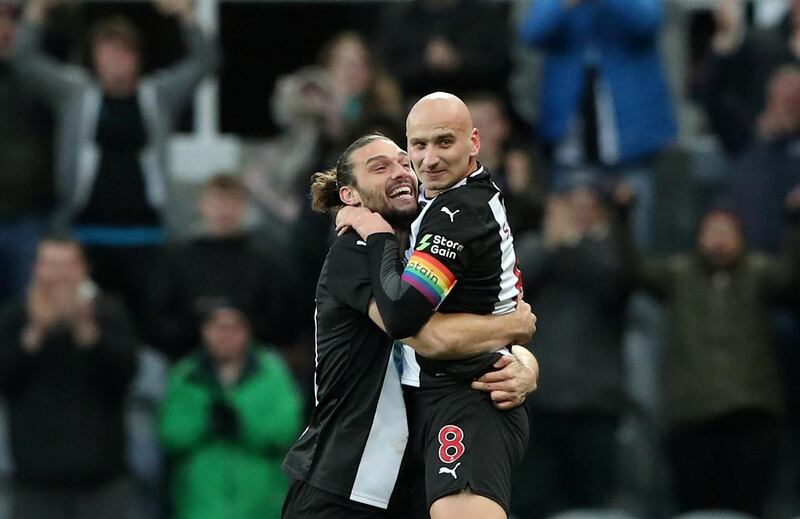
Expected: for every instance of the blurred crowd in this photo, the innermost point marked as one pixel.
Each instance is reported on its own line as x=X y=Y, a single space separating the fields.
x=146 y=371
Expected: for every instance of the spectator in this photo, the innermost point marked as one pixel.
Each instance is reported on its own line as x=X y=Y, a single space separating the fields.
x=457 y=46
x=763 y=173
x=230 y=414
x=604 y=100
x=511 y=162
x=319 y=108
x=733 y=82
x=26 y=184
x=722 y=391
x=362 y=90
x=114 y=126
x=575 y=278
x=220 y=263
x=67 y=357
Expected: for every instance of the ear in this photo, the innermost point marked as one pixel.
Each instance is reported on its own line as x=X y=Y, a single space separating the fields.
x=349 y=195
x=474 y=143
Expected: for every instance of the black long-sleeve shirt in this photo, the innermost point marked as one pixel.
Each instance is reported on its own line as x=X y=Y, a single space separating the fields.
x=65 y=403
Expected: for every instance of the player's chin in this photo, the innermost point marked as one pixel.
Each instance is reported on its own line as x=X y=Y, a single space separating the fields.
x=404 y=204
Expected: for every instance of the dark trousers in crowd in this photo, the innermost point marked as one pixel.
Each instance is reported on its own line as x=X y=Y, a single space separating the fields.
x=728 y=463
x=112 y=500
x=570 y=463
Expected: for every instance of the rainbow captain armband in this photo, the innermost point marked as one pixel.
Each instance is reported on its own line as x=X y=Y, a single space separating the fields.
x=427 y=274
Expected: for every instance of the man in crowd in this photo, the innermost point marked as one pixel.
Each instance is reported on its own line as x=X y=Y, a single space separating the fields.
x=67 y=357
x=230 y=414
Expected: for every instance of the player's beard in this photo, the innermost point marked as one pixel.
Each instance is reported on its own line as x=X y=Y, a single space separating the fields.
x=400 y=219
x=397 y=218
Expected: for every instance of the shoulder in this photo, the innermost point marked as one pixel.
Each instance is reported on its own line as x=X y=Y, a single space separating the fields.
x=347 y=246
x=267 y=357
x=467 y=209
x=758 y=261
x=182 y=369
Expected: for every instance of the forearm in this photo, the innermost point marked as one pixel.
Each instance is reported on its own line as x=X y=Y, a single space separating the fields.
x=460 y=336
x=198 y=43
x=27 y=42
x=47 y=77
x=403 y=309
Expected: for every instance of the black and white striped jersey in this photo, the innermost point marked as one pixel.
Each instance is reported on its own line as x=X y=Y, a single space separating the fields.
x=461 y=258
x=358 y=431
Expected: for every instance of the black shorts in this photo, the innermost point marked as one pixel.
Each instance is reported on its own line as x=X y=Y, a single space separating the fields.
x=307 y=502
x=464 y=441
x=408 y=498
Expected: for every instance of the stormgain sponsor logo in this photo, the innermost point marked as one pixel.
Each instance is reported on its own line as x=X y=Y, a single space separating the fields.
x=440 y=246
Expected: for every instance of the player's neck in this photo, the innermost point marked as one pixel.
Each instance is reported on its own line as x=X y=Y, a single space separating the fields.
x=472 y=167
x=402 y=239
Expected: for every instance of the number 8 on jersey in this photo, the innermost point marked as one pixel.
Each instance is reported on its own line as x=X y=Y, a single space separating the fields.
x=451 y=446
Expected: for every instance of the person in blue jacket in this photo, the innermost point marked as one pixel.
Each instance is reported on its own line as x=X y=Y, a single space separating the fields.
x=604 y=101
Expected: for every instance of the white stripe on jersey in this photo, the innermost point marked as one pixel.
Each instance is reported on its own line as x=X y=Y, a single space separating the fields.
x=508 y=278
x=316 y=367
x=411 y=367
x=316 y=358
x=386 y=443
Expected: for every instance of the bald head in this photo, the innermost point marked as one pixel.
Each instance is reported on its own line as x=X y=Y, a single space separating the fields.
x=440 y=108
x=442 y=142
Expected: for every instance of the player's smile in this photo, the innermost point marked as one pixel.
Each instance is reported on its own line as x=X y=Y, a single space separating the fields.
x=402 y=193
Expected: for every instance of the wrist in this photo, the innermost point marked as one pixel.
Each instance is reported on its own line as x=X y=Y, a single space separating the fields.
x=86 y=335
x=726 y=42
x=187 y=18
x=379 y=237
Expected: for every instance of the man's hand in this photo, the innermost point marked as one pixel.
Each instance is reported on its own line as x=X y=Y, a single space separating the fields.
x=36 y=10
x=511 y=384
x=85 y=329
x=559 y=223
x=524 y=323
x=793 y=200
x=440 y=54
x=729 y=26
x=361 y=220
x=183 y=9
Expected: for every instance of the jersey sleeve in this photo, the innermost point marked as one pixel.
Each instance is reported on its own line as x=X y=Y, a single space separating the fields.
x=348 y=272
x=448 y=239
x=407 y=295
